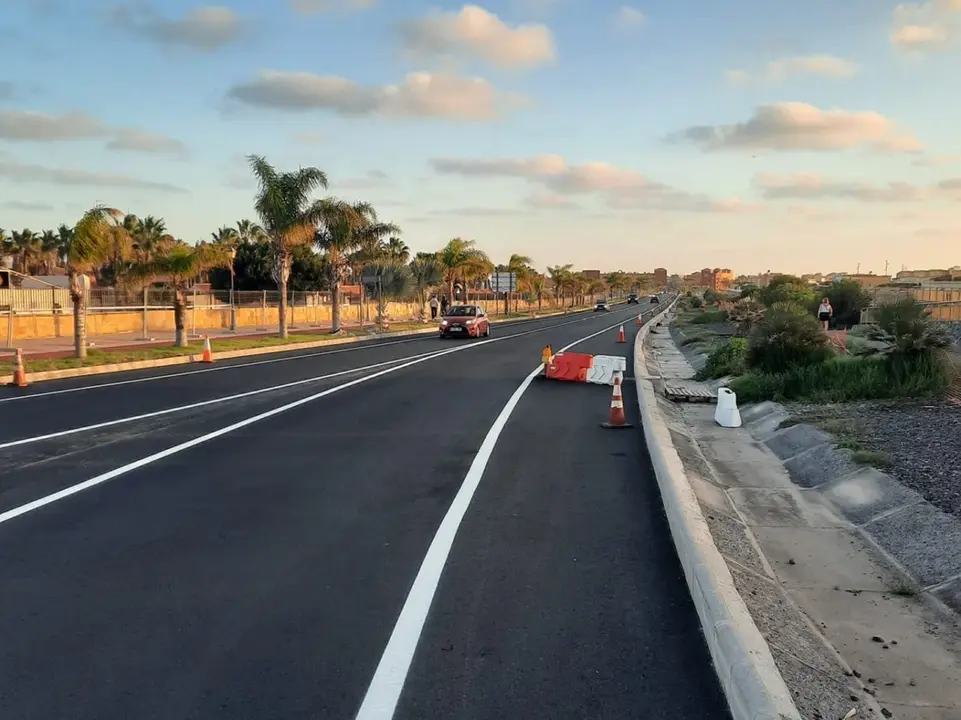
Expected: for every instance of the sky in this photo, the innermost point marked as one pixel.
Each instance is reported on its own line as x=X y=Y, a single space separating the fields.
x=748 y=134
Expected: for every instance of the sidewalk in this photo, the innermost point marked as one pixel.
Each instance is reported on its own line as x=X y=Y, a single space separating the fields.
x=846 y=627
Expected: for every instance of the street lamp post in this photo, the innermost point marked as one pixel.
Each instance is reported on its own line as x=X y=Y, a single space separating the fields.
x=233 y=311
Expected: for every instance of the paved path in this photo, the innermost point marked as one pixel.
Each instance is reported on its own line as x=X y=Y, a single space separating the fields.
x=425 y=543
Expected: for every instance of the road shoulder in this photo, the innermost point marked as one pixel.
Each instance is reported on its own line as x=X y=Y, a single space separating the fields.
x=844 y=623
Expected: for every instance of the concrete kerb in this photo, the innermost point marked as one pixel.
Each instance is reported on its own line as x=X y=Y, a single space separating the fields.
x=745 y=666
x=229 y=354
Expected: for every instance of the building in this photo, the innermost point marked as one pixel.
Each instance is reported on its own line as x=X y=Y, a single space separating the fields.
x=918 y=275
x=660 y=276
x=591 y=274
x=868 y=279
x=722 y=279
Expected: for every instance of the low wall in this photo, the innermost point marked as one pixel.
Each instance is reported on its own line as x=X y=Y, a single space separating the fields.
x=37 y=326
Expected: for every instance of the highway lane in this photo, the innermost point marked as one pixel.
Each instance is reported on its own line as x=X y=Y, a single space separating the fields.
x=260 y=573
x=56 y=405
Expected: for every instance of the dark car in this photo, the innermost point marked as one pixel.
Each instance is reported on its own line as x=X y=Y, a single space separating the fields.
x=655 y=300
x=602 y=306
x=465 y=321
x=632 y=299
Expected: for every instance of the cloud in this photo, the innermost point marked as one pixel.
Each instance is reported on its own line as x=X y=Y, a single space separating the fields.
x=26 y=206
x=30 y=126
x=937 y=160
x=6 y=90
x=314 y=7
x=798 y=126
x=477 y=211
x=36 y=126
x=806 y=186
x=475 y=33
x=780 y=70
x=368 y=181
x=420 y=95
x=205 y=28
x=951 y=185
x=622 y=188
x=926 y=26
x=25 y=173
x=543 y=200
x=308 y=137
x=628 y=17
x=140 y=141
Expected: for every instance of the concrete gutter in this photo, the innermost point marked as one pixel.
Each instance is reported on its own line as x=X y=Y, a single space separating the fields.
x=745 y=666
x=34 y=377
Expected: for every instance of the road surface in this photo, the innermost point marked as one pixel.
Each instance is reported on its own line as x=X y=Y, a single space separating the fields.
x=407 y=528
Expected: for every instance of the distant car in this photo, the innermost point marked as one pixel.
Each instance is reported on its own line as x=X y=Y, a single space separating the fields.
x=655 y=300
x=602 y=306
x=632 y=299
x=465 y=321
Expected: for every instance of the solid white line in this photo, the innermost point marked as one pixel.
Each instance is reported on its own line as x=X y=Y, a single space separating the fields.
x=362 y=345
x=123 y=470
x=238 y=396
x=382 y=695
x=205 y=403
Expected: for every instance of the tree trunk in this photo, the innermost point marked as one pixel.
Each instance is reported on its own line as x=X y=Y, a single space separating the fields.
x=78 y=295
x=450 y=292
x=335 y=306
x=539 y=299
x=180 y=314
x=280 y=273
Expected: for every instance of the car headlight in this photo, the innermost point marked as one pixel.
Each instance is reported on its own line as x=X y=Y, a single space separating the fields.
x=469 y=322
x=443 y=323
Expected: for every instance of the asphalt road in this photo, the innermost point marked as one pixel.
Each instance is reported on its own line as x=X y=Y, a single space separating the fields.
x=389 y=533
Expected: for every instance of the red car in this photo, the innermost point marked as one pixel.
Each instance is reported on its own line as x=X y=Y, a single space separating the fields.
x=465 y=321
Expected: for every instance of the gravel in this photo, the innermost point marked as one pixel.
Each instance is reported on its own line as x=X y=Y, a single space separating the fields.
x=921 y=440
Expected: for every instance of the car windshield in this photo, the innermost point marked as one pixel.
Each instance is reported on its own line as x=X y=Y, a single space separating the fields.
x=462 y=311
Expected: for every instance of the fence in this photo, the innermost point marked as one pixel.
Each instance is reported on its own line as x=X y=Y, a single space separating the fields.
x=944 y=303
x=48 y=312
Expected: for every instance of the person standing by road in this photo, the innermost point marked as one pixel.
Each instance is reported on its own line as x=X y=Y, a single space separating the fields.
x=825 y=311
x=443 y=305
x=433 y=307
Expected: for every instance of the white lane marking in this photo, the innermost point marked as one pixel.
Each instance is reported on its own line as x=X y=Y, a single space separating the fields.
x=142 y=462
x=382 y=695
x=238 y=396
x=362 y=345
x=205 y=403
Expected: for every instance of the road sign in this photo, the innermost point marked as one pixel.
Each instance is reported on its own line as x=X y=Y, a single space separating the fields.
x=503 y=282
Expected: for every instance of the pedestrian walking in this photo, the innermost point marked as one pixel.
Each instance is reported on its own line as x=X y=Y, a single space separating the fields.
x=825 y=311
x=443 y=305
x=433 y=307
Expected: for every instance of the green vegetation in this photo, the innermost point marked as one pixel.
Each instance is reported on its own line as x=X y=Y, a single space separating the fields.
x=709 y=317
x=903 y=589
x=725 y=359
x=871 y=458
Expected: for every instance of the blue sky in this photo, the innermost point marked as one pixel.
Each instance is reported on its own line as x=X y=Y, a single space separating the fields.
x=744 y=134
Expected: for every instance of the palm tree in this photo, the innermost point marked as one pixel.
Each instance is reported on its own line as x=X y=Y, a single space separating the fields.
x=462 y=260
x=27 y=250
x=344 y=229
x=537 y=284
x=180 y=265
x=90 y=246
x=520 y=265
x=148 y=237
x=426 y=272
x=288 y=215
x=48 y=248
x=564 y=281
x=225 y=236
x=64 y=237
x=250 y=232
x=397 y=251
x=395 y=281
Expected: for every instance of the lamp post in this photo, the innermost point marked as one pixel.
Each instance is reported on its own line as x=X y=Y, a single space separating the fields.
x=232 y=254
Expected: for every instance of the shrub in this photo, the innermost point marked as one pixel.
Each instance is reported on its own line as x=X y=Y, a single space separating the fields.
x=787 y=288
x=843 y=379
x=907 y=331
x=725 y=359
x=786 y=337
x=712 y=297
x=696 y=302
x=746 y=314
x=709 y=317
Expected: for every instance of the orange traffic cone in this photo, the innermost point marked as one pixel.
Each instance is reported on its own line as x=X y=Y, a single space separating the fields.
x=208 y=356
x=19 y=375
x=640 y=320
x=617 y=419
x=620 y=335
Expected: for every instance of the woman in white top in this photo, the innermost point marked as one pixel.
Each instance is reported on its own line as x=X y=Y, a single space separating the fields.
x=825 y=311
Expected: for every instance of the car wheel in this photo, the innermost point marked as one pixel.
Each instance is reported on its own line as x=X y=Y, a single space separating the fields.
x=487 y=330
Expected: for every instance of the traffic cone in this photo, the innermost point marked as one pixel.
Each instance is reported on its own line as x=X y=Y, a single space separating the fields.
x=620 y=335
x=640 y=320
x=208 y=356
x=19 y=375
x=616 y=420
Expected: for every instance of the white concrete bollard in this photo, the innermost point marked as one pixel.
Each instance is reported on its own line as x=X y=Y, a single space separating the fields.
x=727 y=415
